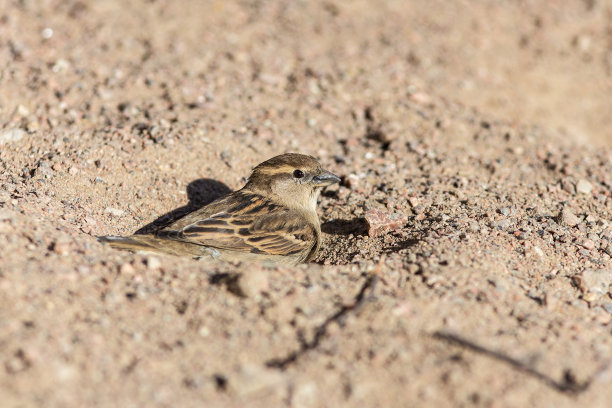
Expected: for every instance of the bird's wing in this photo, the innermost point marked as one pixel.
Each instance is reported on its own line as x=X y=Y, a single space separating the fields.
x=250 y=223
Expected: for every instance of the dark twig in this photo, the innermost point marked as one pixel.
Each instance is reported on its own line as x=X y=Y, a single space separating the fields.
x=569 y=384
x=321 y=331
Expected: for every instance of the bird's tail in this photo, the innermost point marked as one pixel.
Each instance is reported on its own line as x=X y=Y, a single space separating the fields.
x=134 y=243
x=152 y=243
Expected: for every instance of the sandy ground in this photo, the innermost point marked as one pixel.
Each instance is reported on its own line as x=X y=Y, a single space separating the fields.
x=467 y=252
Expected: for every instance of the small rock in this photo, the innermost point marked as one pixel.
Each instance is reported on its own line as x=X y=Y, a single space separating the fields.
x=22 y=110
x=343 y=192
x=306 y=395
x=83 y=269
x=44 y=169
x=32 y=126
x=352 y=181
x=608 y=249
x=115 y=212
x=538 y=251
x=204 y=331
x=567 y=217
x=413 y=268
x=17 y=363
x=584 y=187
x=568 y=186
x=352 y=142
x=421 y=98
x=47 y=33
x=419 y=217
x=588 y=244
x=552 y=303
x=61 y=248
x=435 y=280
x=5 y=196
x=126 y=268
x=253 y=381
x=502 y=224
x=591 y=218
x=153 y=263
x=254 y=283
x=413 y=201
x=593 y=282
x=593 y=237
x=60 y=65
x=11 y=135
x=380 y=222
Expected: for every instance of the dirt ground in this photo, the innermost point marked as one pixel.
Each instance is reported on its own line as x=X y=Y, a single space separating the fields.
x=467 y=252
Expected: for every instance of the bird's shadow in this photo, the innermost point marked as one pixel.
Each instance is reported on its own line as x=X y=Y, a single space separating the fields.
x=200 y=192
x=356 y=226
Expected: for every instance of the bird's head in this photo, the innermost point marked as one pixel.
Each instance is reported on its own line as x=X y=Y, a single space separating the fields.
x=296 y=179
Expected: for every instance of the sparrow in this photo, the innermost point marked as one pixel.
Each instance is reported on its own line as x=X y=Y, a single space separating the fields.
x=272 y=219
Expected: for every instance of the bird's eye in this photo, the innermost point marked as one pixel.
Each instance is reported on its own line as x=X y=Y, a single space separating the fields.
x=298 y=173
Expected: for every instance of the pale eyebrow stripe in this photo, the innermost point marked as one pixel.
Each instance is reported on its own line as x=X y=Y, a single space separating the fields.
x=275 y=170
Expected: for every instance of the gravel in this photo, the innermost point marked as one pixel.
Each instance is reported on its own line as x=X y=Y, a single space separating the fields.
x=456 y=213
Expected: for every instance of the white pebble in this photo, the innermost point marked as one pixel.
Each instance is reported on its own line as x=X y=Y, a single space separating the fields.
x=153 y=263
x=11 y=135
x=115 y=212
x=584 y=187
x=47 y=33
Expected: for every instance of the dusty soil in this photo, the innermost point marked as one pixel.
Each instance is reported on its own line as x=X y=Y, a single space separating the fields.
x=467 y=253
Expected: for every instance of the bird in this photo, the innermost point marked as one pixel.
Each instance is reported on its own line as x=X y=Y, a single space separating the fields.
x=272 y=219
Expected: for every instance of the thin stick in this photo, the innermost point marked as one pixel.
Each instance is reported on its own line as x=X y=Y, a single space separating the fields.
x=568 y=384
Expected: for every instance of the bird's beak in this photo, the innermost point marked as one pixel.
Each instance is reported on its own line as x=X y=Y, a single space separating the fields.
x=325 y=179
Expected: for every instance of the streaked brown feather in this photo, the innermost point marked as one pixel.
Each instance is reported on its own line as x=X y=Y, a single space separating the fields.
x=252 y=223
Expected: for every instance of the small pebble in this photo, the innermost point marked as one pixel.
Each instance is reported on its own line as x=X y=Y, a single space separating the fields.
x=419 y=217
x=567 y=217
x=253 y=283
x=594 y=282
x=588 y=244
x=306 y=395
x=584 y=187
x=351 y=181
x=61 y=248
x=568 y=186
x=502 y=224
x=380 y=222
x=256 y=380
x=153 y=263
x=538 y=251
x=5 y=196
x=11 y=135
x=126 y=268
x=505 y=211
x=421 y=98
x=413 y=268
x=47 y=33
x=204 y=331
x=593 y=237
x=115 y=212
